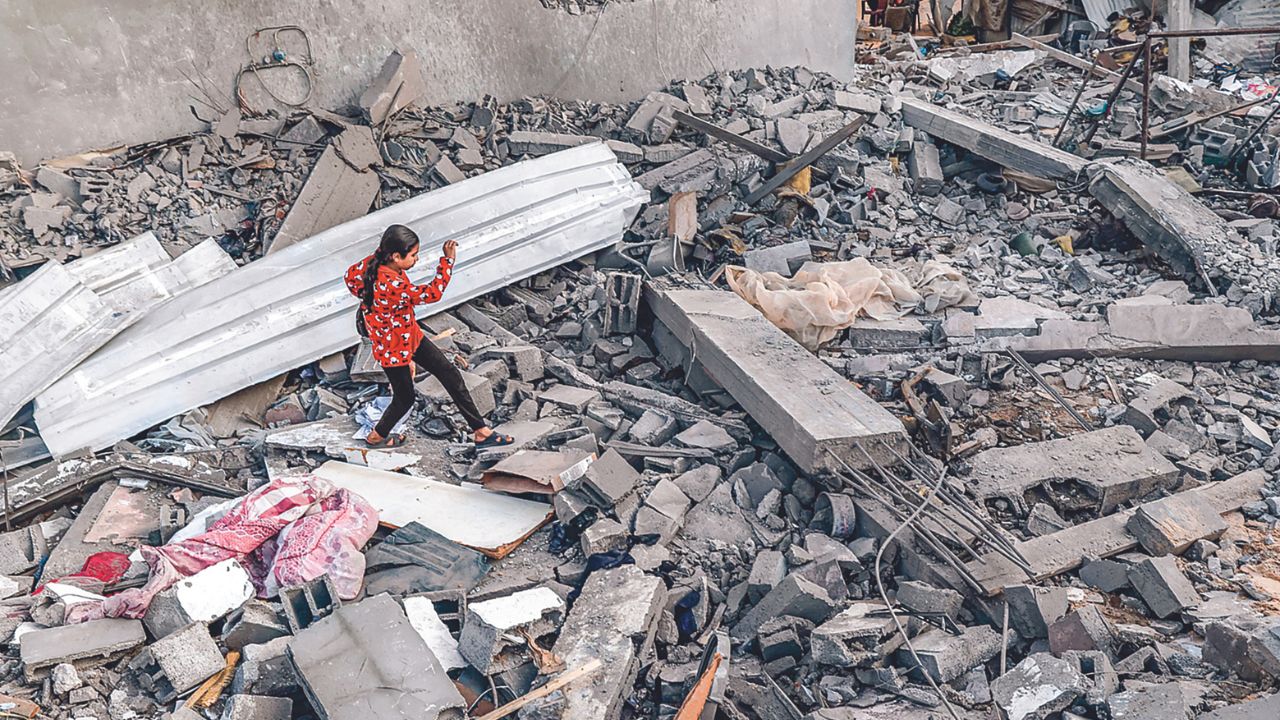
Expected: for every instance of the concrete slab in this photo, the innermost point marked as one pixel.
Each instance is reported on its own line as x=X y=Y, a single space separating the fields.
x=614 y=620
x=1110 y=466
x=1059 y=552
x=808 y=408
x=366 y=661
x=1017 y=152
x=1172 y=223
x=74 y=549
x=1156 y=330
x=334 y=193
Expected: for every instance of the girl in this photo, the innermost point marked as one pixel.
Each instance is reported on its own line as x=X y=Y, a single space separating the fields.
x=387 y=298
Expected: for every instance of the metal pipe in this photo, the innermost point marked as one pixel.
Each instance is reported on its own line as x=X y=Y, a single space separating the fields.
x=1022 y=363
x=1084 y=83
x=1146 y=96
x=1111 y=99
x=1261 y=126
x=1216 y=32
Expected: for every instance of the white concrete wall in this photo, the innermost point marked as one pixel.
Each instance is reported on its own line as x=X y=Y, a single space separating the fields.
x=81 y=74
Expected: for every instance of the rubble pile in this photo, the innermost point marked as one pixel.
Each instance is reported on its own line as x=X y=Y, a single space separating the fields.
x=1031 y=465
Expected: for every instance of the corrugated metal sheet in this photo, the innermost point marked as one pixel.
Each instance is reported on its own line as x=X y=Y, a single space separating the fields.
x=62 y=314
x=118 y=266
x=1099 y=10
x=291 y=307
x=48 y=323
x=1253 y=52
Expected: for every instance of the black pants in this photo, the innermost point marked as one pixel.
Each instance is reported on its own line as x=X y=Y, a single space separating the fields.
x=429 y=357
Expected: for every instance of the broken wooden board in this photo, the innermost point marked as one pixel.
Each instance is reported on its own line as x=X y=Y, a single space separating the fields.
x=492 y=523
x=1017 y=152
x=804 y=405
x=1059 y=552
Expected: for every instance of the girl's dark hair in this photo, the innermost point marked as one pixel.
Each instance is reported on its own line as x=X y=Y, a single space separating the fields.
x=396 y=239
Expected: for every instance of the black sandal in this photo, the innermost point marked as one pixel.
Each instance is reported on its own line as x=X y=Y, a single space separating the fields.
x=390 y=441
x=495 y=440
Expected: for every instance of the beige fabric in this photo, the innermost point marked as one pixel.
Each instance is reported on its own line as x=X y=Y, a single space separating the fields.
x=825 y=298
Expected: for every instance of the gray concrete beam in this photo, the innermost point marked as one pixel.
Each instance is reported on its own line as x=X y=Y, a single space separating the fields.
x=799 y=400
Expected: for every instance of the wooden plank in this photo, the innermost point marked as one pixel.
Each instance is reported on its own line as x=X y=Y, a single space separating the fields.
x=1076 y=62
x=805 y=160
x=1056 y=553
x=804 y=405
x=762 y=151
x=564 y=679
x=1000 y=146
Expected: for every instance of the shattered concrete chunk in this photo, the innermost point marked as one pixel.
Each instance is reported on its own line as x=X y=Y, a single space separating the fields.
x=1133 y=469
x=854 y=637
x=398 y=85
x=366 y=661
x=1038 y=687
x=490 y=626
x=209 y=595
x=1032 y=609
x=946 y=657
x=1171 y=525
x=178 y=662
x=794 y=596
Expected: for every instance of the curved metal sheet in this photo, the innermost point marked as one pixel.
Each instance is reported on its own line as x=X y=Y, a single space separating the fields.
x=292 y=307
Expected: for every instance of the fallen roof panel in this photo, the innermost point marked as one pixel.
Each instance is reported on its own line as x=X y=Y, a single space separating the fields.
x=62 y=314
x=291 y=307
x=490 y=522
x=48 y=323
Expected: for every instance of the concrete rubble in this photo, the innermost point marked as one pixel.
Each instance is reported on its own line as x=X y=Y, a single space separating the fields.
x=1039 y=479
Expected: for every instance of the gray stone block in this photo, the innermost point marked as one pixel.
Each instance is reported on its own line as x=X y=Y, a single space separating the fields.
x=257 y=707
x=1038 y=687
x=793 y=596
x=1032 y=609
x=1163 y=587
x=88 y=645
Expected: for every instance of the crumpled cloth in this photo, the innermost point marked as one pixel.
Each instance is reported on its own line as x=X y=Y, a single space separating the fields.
x=817 y=303
x=105 y=567
x=288 y=531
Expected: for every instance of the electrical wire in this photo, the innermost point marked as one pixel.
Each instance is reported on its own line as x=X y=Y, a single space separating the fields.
x=885 y=596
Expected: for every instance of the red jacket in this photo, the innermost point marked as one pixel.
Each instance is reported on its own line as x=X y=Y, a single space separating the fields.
x=393 y=327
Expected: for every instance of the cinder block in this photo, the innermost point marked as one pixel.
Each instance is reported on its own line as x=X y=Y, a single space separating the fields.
x=304 y=604
x=178 y=662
